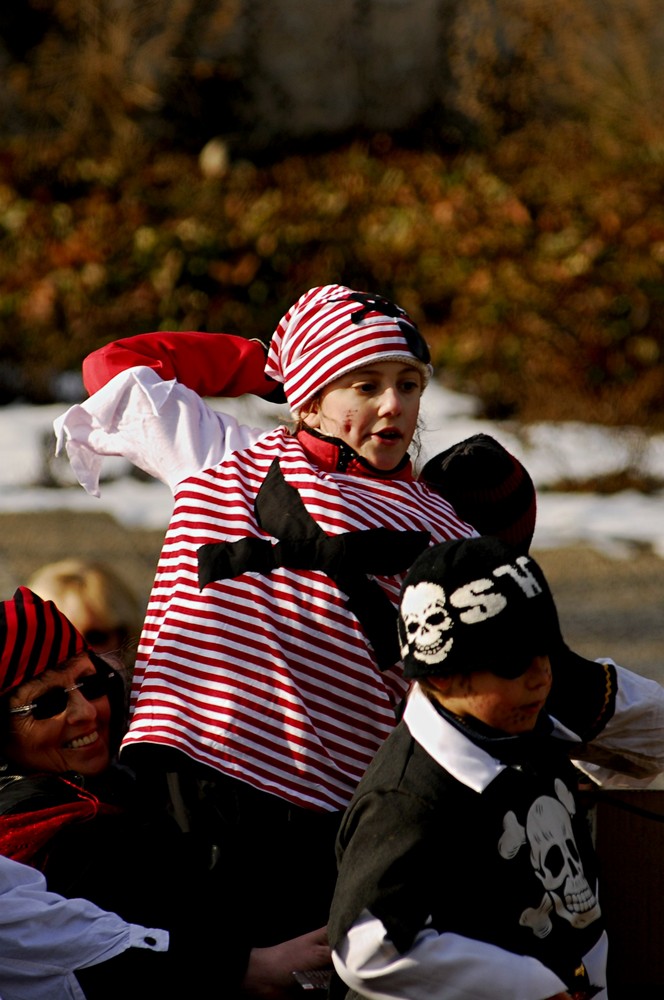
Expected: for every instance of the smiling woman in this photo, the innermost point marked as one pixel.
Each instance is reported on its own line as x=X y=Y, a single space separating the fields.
x=67 y=809
x=61 y=720
x=61 y=705
x=64 y=805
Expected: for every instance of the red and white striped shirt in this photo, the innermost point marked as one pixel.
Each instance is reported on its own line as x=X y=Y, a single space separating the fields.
x=268 y=678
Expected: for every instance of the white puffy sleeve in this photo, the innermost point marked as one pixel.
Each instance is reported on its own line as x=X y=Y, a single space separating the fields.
x=162 y=427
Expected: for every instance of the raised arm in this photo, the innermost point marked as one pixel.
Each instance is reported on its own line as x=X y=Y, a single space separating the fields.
x=148 y=404
x=212 y=364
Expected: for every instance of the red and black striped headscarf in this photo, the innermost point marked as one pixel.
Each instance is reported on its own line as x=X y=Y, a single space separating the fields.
x=34 y=636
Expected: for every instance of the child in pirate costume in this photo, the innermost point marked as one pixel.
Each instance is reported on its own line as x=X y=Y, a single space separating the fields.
x=465 y=864
x=268 y=668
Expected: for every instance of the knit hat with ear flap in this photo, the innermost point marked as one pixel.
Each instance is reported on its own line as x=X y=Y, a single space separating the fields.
x=471 y=605
x=332 y=330
x=34 y=636
x=488 y=487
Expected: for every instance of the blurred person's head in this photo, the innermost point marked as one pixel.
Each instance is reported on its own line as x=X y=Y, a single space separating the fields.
x=96 y=601
x=61 y=704
x=488 y=487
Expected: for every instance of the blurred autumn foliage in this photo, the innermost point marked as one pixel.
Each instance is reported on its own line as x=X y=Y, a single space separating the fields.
x=521 y=221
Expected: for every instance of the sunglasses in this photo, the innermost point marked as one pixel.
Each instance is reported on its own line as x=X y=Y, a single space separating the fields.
x=54 y=701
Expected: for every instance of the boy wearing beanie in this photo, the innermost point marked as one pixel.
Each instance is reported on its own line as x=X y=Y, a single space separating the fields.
x=466 y=868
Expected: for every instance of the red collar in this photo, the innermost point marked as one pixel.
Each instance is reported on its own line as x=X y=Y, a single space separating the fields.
x=333 y=455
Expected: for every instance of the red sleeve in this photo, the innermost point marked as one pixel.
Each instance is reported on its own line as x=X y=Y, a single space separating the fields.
x=212 y=364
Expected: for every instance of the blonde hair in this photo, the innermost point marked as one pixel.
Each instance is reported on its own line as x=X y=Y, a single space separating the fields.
x=86 y=592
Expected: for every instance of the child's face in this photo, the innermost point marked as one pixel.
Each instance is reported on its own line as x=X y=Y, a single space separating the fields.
x=510 y=705
x=373 y=409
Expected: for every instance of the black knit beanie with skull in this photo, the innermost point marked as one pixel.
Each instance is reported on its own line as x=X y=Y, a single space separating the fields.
x=474 y=604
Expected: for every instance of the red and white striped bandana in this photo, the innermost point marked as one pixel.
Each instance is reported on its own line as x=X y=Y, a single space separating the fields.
x=34 y=636
x=332 y=330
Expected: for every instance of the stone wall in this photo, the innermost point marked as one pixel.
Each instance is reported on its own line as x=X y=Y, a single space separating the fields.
x=331 y=65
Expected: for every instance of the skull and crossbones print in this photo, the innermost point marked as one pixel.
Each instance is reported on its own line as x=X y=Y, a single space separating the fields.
x=425 y=622
x=556 y=862
x=426 y=626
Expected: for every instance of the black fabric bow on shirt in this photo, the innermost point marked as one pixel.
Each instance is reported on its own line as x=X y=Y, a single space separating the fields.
x=302 y=544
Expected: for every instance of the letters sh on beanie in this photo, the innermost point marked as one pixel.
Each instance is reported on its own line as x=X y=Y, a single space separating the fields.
x=473 y=604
